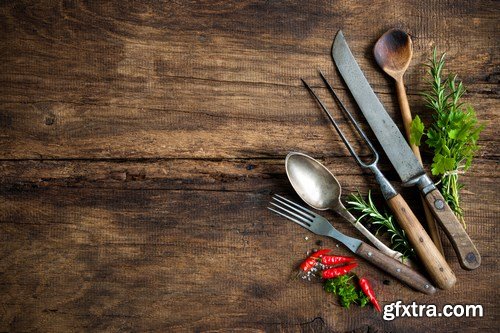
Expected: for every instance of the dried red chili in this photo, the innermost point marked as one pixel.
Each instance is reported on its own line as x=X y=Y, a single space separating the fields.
x=311 y=261
x=368 y=291
x=308 y=264
x=337 y=271
x=336 y=260
x=320 y=253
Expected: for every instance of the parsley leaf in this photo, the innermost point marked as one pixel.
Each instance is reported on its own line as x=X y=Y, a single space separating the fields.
x=441 y=164
x=343 y=287
x=416 y=131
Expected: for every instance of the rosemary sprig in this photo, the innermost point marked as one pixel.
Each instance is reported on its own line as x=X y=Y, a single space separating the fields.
x=384 y=221
x=452 y=136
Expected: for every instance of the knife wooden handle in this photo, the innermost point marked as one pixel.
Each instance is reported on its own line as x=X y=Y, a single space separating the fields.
x=426 y=250
x=467 y=253
x=395 y=268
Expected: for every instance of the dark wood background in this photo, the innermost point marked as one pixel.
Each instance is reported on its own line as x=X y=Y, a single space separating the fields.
x=140 y=143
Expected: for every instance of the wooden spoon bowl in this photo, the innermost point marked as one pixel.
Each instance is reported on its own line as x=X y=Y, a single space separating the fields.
x=393 y=52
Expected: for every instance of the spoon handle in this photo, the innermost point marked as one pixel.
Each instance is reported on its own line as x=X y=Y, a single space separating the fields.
x=378 y=244
x=371 y=237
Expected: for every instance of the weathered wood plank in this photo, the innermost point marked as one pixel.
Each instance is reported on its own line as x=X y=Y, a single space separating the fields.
x=245 y=175
x=216 y=121
x=142 y=84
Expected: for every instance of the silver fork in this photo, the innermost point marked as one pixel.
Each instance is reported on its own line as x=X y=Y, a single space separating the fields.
x=320 y=226
x=387 y=189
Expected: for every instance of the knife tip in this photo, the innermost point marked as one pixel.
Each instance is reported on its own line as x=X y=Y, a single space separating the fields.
x=337 y=42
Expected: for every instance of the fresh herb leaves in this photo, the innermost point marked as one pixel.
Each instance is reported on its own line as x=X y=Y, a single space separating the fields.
x=416 y=130
x=452 y=136
x=346 y=290
x=384 y=221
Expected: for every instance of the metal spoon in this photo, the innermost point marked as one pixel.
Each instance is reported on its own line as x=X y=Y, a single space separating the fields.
x=393 y=52
x=319 y=188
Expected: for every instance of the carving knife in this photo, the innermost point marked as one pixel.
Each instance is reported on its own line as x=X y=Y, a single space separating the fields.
x=400 y=154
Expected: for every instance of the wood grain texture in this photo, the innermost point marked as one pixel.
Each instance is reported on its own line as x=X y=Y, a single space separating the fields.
x=395 y=268
x=140 y=143
x=434 y=262
x=467 y=253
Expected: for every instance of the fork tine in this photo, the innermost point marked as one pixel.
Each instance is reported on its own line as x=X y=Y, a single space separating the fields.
x=349 y=115
x=302 y=224
x=295 y=205
x=334 y=123
x=299 y=216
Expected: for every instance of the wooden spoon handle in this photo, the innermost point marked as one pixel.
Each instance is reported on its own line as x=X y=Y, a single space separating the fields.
x=406 y=115
x=396 y=269
x=405 y=109
x=468 y=255
x=429 y=255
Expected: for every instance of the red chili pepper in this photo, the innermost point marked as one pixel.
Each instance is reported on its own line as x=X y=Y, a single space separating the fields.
x=336 y=260
x=337 y=271
x=320 y=253
x=368 y=291
x=311 y=261
x=308 y=264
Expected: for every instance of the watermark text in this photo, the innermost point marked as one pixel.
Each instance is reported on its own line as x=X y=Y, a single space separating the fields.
x=400 y=310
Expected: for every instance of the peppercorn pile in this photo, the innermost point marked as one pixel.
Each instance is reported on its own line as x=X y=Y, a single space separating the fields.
x=335 y=271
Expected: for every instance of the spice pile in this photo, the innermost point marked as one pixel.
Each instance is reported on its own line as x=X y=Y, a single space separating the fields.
x=335 y=271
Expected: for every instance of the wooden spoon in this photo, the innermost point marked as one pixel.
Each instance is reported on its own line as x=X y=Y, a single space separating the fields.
x=393 y=52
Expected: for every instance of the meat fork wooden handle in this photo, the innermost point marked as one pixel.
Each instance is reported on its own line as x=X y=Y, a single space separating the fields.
x=429 y=255
x=396 y=269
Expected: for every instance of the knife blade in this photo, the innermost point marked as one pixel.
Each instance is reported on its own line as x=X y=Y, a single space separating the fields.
x=399 y=152
x=386 y=131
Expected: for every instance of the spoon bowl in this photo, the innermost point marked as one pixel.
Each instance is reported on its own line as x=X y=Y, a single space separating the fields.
x=314 y=183
x=393 y=52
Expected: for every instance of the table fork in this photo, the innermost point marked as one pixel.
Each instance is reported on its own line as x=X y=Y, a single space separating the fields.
x=320 y=226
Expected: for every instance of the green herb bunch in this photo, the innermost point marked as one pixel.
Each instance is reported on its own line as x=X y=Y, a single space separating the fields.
x=384 y=221
x=343 y=287
x=452 y=136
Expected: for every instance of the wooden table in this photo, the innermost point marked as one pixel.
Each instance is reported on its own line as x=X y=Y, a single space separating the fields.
x=140 y=143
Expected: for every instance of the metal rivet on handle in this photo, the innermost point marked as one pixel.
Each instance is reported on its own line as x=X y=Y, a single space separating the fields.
x=369 y=254
x=470 y=257
x=398 y=270
x=426 y=286
x=439 y=204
